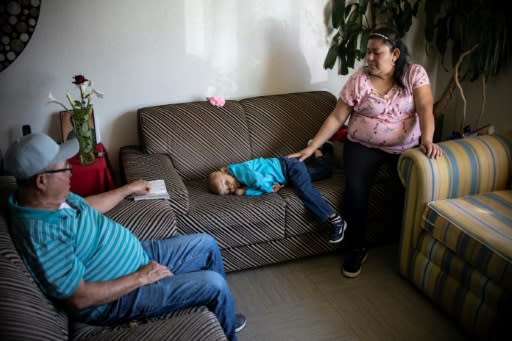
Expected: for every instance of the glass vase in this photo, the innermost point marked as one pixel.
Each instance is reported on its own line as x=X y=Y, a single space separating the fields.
x=80 y=118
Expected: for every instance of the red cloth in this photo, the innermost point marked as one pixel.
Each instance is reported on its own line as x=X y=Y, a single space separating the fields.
x=340 y=135
x=93 y=178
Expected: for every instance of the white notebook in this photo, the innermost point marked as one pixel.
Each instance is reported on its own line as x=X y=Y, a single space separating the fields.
x=157 y=191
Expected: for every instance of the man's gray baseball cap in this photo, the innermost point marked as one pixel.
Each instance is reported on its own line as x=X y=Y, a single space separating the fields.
x=33 y=153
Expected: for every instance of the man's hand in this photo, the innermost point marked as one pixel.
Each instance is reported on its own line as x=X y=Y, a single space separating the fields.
x=139 y=187
x=153 y=272
x=105 y=201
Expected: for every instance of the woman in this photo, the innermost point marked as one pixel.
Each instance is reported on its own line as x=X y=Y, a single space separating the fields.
x=389 y=107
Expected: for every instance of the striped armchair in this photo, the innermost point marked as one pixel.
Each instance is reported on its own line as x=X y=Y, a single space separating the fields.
x=456 y=241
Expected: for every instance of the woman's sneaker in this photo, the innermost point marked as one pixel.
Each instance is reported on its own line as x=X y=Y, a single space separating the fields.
x=354 y=259
x=337 y=229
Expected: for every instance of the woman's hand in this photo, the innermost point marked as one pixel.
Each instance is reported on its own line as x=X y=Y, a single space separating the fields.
x=302 y=154
x=431 y=150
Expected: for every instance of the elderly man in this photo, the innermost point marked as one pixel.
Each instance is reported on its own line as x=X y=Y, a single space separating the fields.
x=96 y=267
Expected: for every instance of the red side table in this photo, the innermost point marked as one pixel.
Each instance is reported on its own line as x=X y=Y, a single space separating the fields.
x=93 y=178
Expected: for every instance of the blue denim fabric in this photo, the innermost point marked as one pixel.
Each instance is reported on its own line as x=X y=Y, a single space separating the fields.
x=198 y=279
x=299 y=178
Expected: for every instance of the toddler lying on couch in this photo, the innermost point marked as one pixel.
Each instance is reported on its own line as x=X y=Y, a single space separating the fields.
x=267 y=175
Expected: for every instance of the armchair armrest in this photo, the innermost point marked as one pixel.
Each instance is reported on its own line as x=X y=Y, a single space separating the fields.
x=469 y=166
x=136 y=164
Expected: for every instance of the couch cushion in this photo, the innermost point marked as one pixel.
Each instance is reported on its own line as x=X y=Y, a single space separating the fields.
x=198 y=137
x=281 y=124
x=298 y=219
x=25 y=313
x=233 y=220
x=478 y=228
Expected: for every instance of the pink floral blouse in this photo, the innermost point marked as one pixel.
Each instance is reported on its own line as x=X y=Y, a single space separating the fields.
x=388 y=122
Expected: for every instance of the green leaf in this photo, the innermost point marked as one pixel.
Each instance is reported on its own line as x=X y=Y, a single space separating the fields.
x=432 y=9
x=363 y=6
x=351 y=52
x=331 y=57
x=338 y=8
x=442 y=32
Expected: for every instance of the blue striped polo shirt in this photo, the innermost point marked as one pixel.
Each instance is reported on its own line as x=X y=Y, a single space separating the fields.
x=62 y=247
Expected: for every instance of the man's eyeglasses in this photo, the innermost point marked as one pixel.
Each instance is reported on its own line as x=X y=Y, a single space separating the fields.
x=68 y=168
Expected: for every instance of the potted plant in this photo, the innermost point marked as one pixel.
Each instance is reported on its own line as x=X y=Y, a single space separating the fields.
x=354 y=20
x=473 y=37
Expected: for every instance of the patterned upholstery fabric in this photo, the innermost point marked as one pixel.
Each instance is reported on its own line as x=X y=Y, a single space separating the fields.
x=25 y=313
x=137 y=165
x=190 y=324
x=455 y=243
x=152 y=221
x=281 y=124
x=478 y=228
x=198 y=138
x=182 y=143
x=275 y=251
x=263 y=217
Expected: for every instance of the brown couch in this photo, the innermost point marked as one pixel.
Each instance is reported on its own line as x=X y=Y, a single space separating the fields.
x=182 y=143
x=26 y=314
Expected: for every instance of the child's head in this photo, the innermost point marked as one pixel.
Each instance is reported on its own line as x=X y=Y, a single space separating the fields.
x=222 y=183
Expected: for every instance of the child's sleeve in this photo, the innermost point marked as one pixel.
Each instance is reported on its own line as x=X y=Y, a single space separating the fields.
x=256 y=183
x=250 y=192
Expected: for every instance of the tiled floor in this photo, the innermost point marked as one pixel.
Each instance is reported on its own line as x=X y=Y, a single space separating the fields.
x=310 y=300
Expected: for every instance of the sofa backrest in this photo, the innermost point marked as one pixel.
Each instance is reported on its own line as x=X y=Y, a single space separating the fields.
x=282 y=124
x=200 y=138
x=25 y=313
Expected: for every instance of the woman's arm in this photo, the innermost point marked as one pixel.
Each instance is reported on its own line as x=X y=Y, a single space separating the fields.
x=331 y=124
x=424 y=105
x=104 y=202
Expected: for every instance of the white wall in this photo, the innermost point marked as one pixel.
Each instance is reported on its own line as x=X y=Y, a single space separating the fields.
x=142 y=53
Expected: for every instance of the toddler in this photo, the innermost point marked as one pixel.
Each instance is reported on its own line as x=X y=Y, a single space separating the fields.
x=266 y=175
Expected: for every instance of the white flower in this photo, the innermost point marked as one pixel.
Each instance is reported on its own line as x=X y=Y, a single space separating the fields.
x=87 y=92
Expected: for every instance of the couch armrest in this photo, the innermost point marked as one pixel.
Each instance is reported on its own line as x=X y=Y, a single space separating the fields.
x=469 y=166
x=147 y=219
x=189 y=324
x=136 y=164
